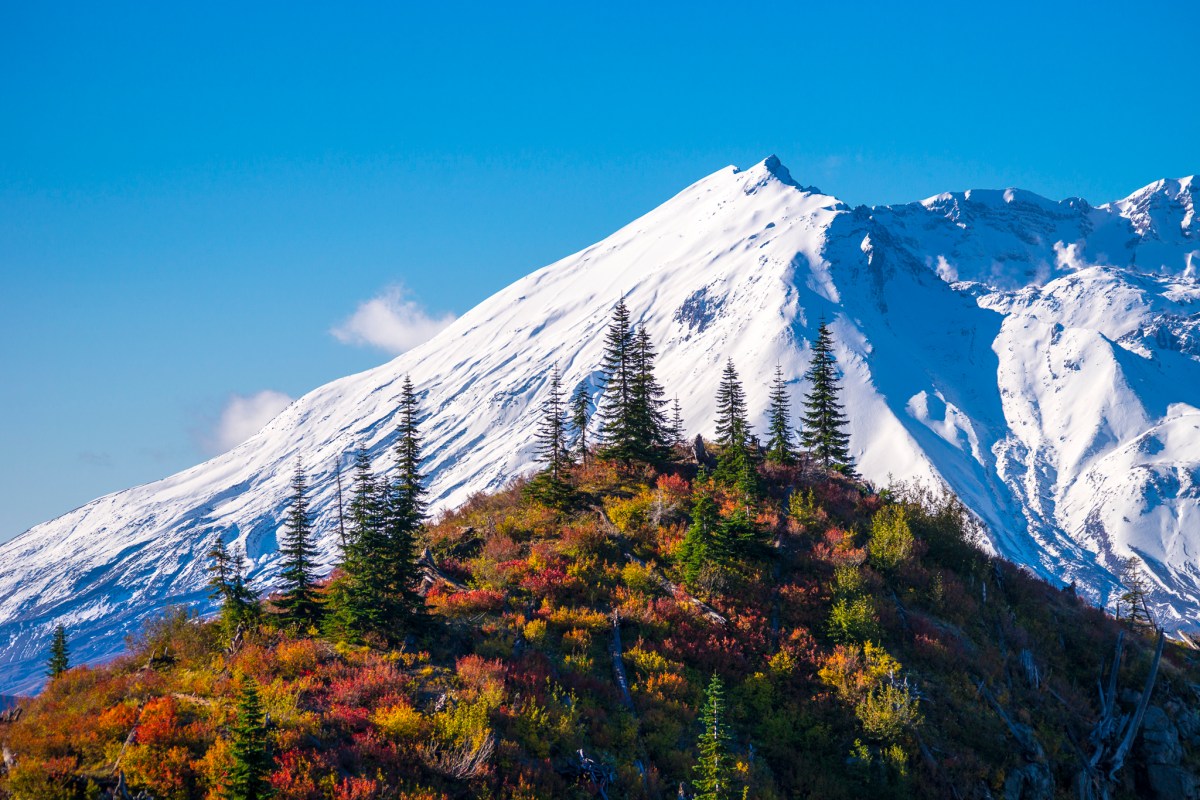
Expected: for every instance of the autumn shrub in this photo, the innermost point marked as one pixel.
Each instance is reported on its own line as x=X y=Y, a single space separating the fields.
x=891 y=538
x=853 y=619
x=457 y=605
x=400 y=722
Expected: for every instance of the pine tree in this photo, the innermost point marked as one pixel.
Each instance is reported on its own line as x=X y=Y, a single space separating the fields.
x=250 y=750
x=299 y=602
x=780 y=448
x=550 y=486
x=579 y=404
x=616 y=418
x=714 y=768
x=823 y=435
x=59 y=661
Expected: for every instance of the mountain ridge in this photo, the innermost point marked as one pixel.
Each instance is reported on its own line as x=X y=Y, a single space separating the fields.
x=947 y=394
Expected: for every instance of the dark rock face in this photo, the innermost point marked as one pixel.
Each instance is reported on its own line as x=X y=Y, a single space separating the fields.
x=1161 y=754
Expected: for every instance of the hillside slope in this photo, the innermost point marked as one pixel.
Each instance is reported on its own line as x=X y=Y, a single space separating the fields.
x=1040 y=358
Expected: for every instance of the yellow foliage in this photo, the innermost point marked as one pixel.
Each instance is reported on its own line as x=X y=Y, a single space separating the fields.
x=535 y=632
x=400 y=722
x=891 y=541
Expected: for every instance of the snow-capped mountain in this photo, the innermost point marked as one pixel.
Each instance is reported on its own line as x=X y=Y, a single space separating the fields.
x=1041 y=358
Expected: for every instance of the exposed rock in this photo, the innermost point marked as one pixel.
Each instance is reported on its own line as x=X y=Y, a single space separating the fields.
x=1160 y=738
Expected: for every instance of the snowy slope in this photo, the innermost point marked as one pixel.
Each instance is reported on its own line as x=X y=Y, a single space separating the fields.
x=1041 y=358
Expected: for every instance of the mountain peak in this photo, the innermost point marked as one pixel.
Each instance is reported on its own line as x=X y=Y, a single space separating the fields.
x=771 y=168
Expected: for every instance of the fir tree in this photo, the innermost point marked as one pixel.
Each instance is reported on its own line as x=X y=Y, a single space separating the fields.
x=252 y=761
x=735 y=463
x=616 y=417
x=823 y=435
x=714 y=768
x=550 y=486
x=409 y=498
x=359 y=596
x=649 y=423
x=675 y=428
x=299 y=602
x=702 y=547
x=780 y=448
x=405 y=516
x=59 y=661
x=227 y=583
x=733 y=429
x=579 y=404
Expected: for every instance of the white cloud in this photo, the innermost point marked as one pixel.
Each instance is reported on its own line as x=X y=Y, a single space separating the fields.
x=391 y=322
x=242 y=417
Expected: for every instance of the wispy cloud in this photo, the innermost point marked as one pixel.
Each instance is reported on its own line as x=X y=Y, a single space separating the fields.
x=242 y=417
x=392 y=321
x=103 y=459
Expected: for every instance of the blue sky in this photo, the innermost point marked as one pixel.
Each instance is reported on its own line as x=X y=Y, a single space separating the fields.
x=193 y=200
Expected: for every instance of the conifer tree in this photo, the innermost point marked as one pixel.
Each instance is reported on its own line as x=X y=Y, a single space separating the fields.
x=409 y=498
x=675 y=428
x=59 y=661
x=360 y=597
x=780 y=448
x=616 y=416
x=550 y=485
x=633 y=427
x=1137 y=588
x=299 y=602
x=405 y=516
x=649 y=421
x=823 y=434
x=702 y=547
x=733 y=429
x=714 y=768
x=250 y=750
x=227 y=583
x=579 y=404
x=735 y=464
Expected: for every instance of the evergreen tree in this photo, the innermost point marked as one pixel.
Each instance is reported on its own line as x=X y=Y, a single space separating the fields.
x=1137 y=588
x=579 y=403
x=408 y=501
x=733 y=429
x=702 y=546
x=59 y=661
x=780 y=448
x=252 y=761
x=714 y=768
x=406 y=515
x=649 y=423
x=299 y=602
x=735 y=463
x=633 y=427
x=823 y=434
x=550 y=486
x=675 y=428
x=617 y=425
x=227 y=583
x=359 y=598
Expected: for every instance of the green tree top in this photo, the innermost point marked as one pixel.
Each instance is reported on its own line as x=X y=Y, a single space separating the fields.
x=824 y=433
x=59 y=661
